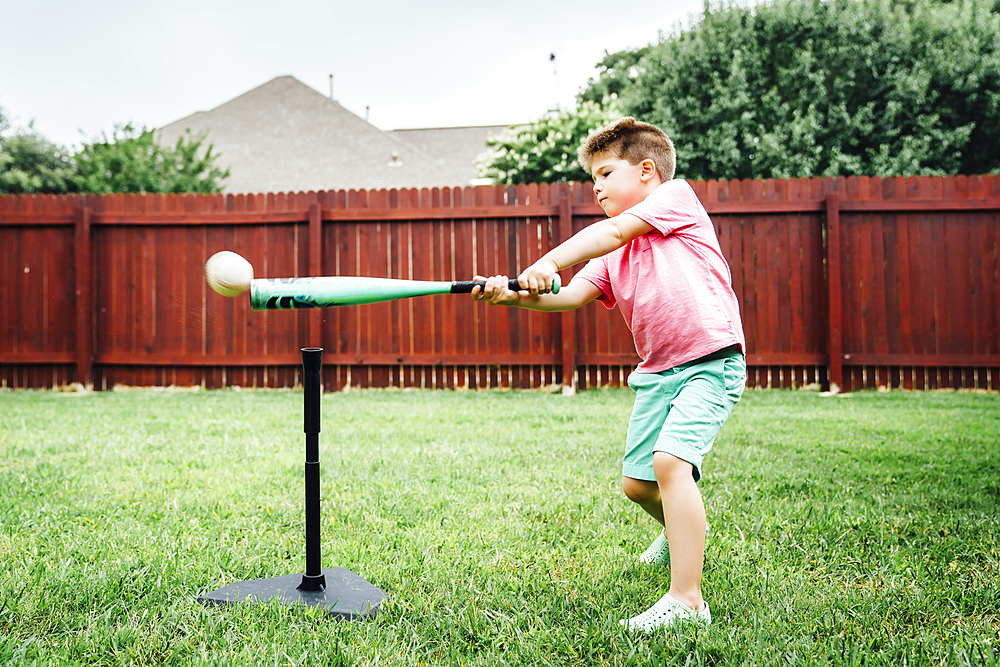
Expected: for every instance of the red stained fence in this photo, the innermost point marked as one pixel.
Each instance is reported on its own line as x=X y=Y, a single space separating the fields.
x=858 y=282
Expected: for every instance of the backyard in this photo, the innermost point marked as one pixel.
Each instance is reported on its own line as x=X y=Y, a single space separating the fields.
x=846 y=530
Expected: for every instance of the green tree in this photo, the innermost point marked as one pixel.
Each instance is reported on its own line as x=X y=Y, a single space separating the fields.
x=131 y=160
x=31 y=164
x=796 y=88
x=544 y=151
x=615 y=72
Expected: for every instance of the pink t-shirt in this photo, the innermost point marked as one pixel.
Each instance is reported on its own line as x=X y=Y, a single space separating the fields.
x=672 y=285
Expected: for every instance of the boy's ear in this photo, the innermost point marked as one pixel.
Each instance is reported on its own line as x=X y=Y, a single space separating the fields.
x=648 y=169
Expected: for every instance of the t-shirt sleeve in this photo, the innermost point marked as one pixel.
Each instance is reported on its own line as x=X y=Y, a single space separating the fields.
x=596 y=272
x=673 y=206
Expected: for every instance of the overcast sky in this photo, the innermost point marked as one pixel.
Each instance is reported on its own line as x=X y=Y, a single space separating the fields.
x=77 y=68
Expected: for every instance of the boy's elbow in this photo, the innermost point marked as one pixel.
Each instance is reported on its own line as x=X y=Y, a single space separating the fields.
x=626 y=227
x=577 y=294
x=612 y=234
x=618 y=231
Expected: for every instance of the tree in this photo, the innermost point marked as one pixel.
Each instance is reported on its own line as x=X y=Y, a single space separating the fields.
x=824 y=87
x=31 y=164
x=544 y=151
x=615 y=72
x=131 y=160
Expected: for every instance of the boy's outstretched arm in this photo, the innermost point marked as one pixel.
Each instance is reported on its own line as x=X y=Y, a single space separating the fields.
x=596 y=240
x=574 y=295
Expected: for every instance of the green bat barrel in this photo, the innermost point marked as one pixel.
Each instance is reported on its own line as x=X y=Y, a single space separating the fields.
x=332 y=291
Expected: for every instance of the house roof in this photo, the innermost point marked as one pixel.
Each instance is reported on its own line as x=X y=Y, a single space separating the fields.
x=457 y=146
x=285 y=136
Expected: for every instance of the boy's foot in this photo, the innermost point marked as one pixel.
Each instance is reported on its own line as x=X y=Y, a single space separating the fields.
x=666 y=611
x=658 y=553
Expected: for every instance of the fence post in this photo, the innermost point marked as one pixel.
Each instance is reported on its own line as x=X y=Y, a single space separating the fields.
x=834 y=293
x=315 y=270
x=567 y=318
x=84 y=298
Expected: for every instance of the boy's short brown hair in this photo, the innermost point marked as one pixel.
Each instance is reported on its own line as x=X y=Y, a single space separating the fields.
x=632 y=140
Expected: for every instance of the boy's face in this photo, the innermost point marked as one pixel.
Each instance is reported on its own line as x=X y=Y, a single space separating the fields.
x=619 y=185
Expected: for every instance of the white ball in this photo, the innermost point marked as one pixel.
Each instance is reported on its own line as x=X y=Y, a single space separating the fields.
x=228 y=274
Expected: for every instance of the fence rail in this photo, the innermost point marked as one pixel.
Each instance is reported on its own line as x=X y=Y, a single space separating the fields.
x=855 y=283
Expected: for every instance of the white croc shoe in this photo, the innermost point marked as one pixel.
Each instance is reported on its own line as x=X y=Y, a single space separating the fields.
x=658 y=553
x=665 y=612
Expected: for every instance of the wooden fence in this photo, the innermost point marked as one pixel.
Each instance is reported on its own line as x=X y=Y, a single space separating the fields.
x=855 y=283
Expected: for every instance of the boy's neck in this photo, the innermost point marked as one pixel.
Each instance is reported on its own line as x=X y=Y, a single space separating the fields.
x=650 y=186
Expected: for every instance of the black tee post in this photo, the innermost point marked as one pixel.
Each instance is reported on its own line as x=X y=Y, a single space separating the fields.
x=337 y=590
x=312 y=366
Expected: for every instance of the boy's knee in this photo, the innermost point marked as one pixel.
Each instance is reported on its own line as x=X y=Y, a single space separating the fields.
x=639 y=490
x=668 y=467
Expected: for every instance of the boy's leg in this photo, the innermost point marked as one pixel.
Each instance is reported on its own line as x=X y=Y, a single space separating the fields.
x=684 y=512
x=708 y=392
x=645 y=494
x=638 y=479
x=705 y=395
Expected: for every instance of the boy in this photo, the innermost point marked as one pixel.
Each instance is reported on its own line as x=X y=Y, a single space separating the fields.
x=658 y=258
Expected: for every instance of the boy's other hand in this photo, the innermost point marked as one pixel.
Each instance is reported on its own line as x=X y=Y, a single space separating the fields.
x=538 y=277
x=496 y=291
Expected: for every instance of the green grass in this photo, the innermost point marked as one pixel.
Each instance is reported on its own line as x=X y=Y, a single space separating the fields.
x=857 y=530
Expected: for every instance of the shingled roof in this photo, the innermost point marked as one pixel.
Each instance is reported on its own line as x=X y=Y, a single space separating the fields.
x=457 y=146
x=285 y=136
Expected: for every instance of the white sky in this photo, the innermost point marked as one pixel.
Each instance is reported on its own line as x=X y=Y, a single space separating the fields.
x=78 y=67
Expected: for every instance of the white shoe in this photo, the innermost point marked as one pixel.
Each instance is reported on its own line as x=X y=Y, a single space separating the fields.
x=658 y=552
x=666 y=611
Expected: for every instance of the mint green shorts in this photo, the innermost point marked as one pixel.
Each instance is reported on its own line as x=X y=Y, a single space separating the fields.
x=680 y=411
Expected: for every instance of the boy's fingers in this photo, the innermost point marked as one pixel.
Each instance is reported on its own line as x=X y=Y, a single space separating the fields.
x=492 y=289
x=538 y=286
x=497 y=290
x=532 y=282
x=480 y=293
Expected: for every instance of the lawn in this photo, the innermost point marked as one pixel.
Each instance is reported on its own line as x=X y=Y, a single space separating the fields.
x=861 y=529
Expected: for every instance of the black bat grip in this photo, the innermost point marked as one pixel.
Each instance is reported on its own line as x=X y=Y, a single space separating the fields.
x=465 y=286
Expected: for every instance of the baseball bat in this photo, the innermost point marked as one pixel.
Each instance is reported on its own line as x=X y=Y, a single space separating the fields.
x=331 y=291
